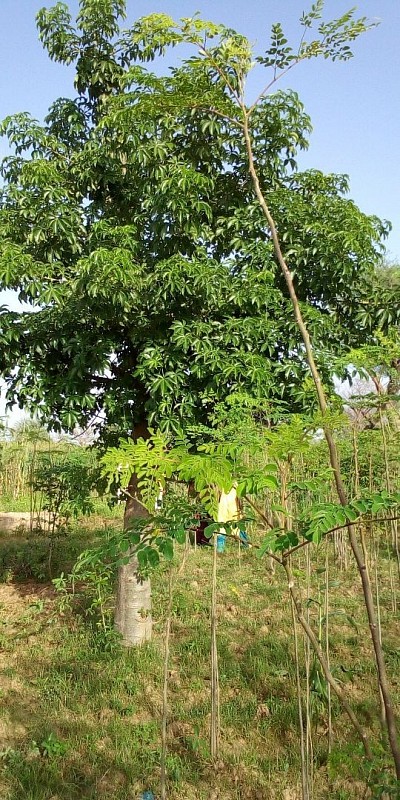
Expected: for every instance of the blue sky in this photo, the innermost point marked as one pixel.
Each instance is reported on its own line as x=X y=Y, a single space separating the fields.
x=354 y=107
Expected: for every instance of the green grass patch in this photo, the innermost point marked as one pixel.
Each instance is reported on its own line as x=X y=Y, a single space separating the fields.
x=81 y=718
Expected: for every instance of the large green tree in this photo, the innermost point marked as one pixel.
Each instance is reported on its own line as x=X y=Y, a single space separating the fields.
x=128 y=220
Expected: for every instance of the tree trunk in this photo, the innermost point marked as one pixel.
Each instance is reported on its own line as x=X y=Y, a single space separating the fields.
x=393 y=391
x=133 y=601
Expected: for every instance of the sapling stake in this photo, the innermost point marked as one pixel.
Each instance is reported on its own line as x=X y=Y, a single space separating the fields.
x=326 y=612
x=215 y=720
x=378 y=616
x=309 y=738
x=393 y=525
x=303 y=754
x=356 y=492
x=167 y=637
x=164 y=724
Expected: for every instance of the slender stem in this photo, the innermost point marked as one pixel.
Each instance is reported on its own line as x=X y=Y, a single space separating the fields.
x=165 y=692
x=395 y=542
x=164 y=726
x=101 y=606
x=336 y=688
x=258 y=511
x=215 y=721
x=134 y=497
x=309 y=737
x=356 y=491
x=333 y=453
x=271 y=83
x=326 y=610
x=378 y=617
x=282 y=263
x=304 y=775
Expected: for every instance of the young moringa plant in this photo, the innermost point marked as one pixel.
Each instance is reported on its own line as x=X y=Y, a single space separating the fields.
x=224 y=59
x=222 y=462
x=228 y=58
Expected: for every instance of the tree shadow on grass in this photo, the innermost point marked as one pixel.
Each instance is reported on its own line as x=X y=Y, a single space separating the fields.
x=59 y=726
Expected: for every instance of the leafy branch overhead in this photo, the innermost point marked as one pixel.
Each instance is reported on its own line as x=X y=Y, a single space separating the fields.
x=254 y=467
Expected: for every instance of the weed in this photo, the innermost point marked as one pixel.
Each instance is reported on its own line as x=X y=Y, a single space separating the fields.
x=51 y=746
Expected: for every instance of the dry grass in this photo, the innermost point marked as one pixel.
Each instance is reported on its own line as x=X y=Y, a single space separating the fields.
x=81 y=719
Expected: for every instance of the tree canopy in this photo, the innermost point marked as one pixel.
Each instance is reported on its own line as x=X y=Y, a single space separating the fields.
x=128 y=221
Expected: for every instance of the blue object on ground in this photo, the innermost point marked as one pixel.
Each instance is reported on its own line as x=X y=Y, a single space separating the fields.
x=244 y=538
x=147 y=796
x=221 y=539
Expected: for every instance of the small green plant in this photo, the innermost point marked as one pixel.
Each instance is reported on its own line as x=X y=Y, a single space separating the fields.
x=51 y=746
x=89 y=588
x=37 y=606
x=199 y=743
x=63 y=588
x=106 y=640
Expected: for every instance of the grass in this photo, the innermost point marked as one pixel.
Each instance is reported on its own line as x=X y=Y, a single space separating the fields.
x=80 y=717
x=40 y=557
x=101 y=509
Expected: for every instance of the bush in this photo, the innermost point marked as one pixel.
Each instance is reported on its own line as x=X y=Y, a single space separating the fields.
x=64 y=481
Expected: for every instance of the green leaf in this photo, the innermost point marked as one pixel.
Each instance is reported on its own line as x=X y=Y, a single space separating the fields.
x=180 y=535
x=351 y=514
x=166 y=547
x=270 y=542
x=153 y=558
x=211 y=529
x=361 y=505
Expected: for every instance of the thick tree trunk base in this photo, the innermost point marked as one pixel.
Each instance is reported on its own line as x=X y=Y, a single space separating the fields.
x=133 y=609
x=133 y=602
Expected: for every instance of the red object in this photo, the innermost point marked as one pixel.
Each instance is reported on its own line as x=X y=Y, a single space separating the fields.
x=201 y=538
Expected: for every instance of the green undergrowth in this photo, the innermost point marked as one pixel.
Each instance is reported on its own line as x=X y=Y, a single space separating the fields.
x=16 y=504
x=40 y=558
x=33 y=556
x=81 y=718
x=101 y=508
x=24 y=559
